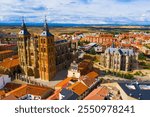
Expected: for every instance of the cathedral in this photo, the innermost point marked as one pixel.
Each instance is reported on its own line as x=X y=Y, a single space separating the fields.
x=41 y=56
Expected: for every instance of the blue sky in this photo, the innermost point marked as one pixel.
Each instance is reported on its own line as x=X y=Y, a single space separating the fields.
x=77 y=11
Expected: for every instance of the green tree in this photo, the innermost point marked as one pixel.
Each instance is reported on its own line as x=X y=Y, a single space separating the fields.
x=129 y=76
x=142 y=56
x=92 y=51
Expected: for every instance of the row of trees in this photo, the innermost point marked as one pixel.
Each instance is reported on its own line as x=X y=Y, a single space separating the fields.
x=119 y=74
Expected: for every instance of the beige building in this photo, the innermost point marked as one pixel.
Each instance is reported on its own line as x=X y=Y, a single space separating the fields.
x=74 y=71
x=41 y=56
x=120 y=59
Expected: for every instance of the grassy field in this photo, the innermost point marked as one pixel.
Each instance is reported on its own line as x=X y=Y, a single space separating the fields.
x=55 y=30
x=60 y=30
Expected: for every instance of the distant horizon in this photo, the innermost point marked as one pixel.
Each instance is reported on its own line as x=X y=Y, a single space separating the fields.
x=40 y=24
x=123 y=12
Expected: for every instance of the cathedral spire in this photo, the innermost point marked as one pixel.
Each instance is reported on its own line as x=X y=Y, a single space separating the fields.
x=23 y=30
x=23 y=26
x=46 y=29
x=46 y=25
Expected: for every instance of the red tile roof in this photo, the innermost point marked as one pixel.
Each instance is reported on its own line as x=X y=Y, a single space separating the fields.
x=10 y=63
x=78 y=87
x=63 y=83
x=10 y=97
x=6 y=51
x=2 y=92
x=92 y=74
x=11 y=86
x=55 y=96
x=29 y=89
x=89 y=79
x=98 y=94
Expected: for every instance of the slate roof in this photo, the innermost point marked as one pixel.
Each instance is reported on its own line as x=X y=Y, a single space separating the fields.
x=46 y=33
x=60 y=41
x=68 y=94
x=136 y=90
x=46 y=30
x=120 y=51
x=24 y=30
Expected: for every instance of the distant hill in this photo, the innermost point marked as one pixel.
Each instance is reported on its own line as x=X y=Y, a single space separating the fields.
x=77 y=25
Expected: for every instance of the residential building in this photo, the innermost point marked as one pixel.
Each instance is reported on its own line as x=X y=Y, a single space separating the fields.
x=136 y=90
x=54 y=96
x=63 y=84
x=8 y=47
x=130 y=90
x=85 y=66
x=90 y=80
x=79 y=87
x=10 y=66
x=77 y=70
x=73 y=92
x=74 y=71
x=10 y=97
x=2 y=94
x=67 y=94
x=6 y=54
x=100 y=93
x=27 y=92
x=99 y=38
x=4 y=79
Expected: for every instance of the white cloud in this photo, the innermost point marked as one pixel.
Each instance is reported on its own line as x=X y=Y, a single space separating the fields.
x=76 y=11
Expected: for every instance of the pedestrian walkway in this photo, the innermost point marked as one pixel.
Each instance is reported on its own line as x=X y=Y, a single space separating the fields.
x=22 y=79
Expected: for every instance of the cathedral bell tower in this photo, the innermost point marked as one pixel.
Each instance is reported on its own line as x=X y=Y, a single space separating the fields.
x=47 y=63
x=24 y=37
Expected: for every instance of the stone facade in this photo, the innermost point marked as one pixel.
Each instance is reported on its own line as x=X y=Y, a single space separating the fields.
x=120 y=59
x=41 y=56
